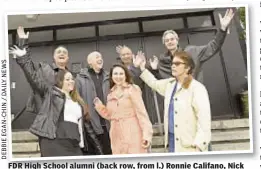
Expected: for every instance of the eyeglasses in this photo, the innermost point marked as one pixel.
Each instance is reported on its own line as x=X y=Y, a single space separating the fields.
x=177 y=63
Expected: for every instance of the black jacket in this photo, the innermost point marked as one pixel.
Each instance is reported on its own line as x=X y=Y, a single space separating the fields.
x=45 y=123
x=86 y=88
x=44 y=71
x=199 y=54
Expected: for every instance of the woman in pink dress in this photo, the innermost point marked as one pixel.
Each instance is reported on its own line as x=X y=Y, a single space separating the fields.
x=131 y=130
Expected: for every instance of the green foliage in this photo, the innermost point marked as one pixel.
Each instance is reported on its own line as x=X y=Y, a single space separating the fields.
x=242 y=16
x=244 y=103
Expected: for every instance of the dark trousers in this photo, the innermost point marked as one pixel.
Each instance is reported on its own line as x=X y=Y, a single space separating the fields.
x=59 y=147
x=104 y=140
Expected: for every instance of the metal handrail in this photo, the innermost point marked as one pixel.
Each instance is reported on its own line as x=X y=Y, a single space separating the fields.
x=18 y=115
x=160 y=127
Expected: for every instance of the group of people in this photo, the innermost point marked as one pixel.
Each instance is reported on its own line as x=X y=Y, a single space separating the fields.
x=100 y=112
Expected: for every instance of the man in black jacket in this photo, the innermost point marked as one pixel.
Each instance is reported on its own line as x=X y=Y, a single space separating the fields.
x=91 y=82
x=45 y=71
x=199 y=54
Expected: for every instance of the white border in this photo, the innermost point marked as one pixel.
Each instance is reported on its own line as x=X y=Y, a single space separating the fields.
x=135 y=155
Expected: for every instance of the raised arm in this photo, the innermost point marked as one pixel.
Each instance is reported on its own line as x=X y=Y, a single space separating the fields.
x=152 y=82
x=201 y=106
x=149 y=78
x=25 y=62
x=101 y=109
x=22 y=38
x=152 y=66
x=207 y=51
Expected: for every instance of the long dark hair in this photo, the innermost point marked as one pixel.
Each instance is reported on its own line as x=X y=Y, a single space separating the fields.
x=59 y=78
x=126 y=71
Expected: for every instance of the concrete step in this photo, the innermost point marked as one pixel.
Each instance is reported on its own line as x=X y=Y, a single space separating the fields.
x=23 y=136
x=158 y=150
x=26 y=136
x=231 y=146
x=26 y=155
x=230 y=124
x=230 y=135
x=158 y=141
x=216 y=137
x=25 y=147
x=216 y=125
x=226 y=135
x=215 y=147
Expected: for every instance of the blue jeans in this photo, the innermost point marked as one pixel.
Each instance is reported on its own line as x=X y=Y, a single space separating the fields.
x=171 y=142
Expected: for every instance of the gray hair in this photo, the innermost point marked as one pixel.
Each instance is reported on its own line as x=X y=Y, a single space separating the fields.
x=169 y=32
x=91 y=55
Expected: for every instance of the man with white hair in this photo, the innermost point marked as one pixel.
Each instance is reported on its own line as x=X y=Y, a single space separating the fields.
x=91 y=82
x=199 y=54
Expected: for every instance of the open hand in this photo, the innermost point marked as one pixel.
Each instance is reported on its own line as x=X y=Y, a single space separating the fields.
x=225 y=21
x=138 y=59
x=119 y=48
x=16 y=52
x=154 y=62
x=21 y=33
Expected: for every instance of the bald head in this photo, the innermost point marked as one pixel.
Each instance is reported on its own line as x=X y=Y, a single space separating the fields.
x=95 y=61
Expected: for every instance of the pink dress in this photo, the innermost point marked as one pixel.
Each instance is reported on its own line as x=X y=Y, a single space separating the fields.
x=130 y=124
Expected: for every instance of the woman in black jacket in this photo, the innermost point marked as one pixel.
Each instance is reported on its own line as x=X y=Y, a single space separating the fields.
x=62 y=123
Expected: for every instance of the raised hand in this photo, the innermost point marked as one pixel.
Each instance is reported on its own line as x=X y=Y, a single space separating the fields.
x=21 y=33
x=15 y=51
x=138 y=59
x=226 y=20
x=119 y=48
x=154 y=62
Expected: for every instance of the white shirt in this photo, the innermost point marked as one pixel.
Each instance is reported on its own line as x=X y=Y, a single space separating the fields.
x=73 y=113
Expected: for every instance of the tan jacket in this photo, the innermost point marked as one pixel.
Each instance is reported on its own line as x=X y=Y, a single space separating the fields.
x=192 y=118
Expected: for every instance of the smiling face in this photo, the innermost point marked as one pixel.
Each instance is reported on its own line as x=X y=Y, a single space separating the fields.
x=95 y=60
x=118 y=76
x=126 y=55
x=171 y=41
x=61 y=57
x=68 y=82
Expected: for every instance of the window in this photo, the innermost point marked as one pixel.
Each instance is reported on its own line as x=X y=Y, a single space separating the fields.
x=160 y=25
x=116 y=29
x=199 y=21
x=82 y=32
